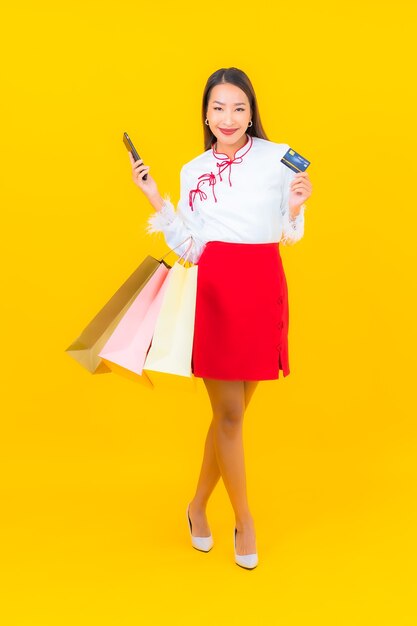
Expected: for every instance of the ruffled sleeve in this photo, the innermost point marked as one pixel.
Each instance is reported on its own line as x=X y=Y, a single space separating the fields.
x=292 y=230
x=179 y=225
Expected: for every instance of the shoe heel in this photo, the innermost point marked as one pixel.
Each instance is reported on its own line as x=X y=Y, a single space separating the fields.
x=248 y=561
x=204 y=544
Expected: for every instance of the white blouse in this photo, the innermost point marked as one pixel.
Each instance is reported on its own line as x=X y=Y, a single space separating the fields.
x=244 y=199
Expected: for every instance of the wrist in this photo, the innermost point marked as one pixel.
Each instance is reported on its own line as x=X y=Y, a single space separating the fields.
x=294 y=213
x=156 y=200
x=295 y=210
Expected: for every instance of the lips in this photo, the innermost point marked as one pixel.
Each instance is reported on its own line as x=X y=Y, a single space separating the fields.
x=228 y=132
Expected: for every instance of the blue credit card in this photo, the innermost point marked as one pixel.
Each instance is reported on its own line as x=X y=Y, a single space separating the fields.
x=295 y=161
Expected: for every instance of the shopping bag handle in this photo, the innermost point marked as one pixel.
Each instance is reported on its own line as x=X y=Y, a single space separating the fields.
x=180 y=244
x=187 y=252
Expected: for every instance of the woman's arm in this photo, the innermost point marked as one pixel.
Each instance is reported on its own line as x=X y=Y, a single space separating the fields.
x=156 y=201
x=178 y=225
x=292 y=229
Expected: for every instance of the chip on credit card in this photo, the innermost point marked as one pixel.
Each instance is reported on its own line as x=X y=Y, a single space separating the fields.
x=295 y=161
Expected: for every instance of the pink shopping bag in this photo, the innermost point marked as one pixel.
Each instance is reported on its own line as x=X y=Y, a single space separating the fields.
x=126 y=349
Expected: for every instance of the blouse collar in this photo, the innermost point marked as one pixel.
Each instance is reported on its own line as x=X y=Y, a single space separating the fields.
x=239 y=153
x=225 y=162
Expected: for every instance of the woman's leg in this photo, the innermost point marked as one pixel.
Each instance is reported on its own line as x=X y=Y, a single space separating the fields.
x=210 y=474
x=228 y=404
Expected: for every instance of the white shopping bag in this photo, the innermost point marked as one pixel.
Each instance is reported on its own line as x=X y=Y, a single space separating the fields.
x=168 y=361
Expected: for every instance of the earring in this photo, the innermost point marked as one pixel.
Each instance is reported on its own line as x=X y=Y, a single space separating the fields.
x=207 y=122
x=250 y=124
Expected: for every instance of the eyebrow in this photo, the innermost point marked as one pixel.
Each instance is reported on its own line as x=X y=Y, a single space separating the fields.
x=236 y=103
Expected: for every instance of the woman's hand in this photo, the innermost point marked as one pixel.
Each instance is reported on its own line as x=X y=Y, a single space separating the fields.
x=300 y=189
x=139 y=170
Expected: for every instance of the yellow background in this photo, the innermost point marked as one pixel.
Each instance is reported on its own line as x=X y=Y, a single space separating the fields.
x=96 y=471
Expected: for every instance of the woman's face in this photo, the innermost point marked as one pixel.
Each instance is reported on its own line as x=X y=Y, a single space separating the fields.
x=228 y=108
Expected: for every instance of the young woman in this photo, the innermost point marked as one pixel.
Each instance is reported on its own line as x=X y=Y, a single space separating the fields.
x=238 y=202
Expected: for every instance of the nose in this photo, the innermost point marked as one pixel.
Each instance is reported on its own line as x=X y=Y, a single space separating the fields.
x=228 y=117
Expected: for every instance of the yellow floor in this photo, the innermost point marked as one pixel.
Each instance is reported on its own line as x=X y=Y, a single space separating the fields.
x=98 y=534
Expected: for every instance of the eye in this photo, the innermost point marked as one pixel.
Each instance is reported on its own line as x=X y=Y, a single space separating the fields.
x=238 y=109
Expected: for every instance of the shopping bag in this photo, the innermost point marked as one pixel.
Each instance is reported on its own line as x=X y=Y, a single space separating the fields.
x=85 y=349
x=168 y=362
x=125 y=351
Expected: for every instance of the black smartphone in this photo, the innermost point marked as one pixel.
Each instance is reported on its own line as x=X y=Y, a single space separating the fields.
x=129 y=145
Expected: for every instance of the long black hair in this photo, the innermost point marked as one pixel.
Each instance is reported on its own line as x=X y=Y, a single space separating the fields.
x=236 y=77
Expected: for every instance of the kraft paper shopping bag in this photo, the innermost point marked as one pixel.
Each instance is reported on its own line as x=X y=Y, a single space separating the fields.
x=85 y=349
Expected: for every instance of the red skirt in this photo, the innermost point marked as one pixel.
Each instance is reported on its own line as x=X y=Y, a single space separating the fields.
x=241 y=316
